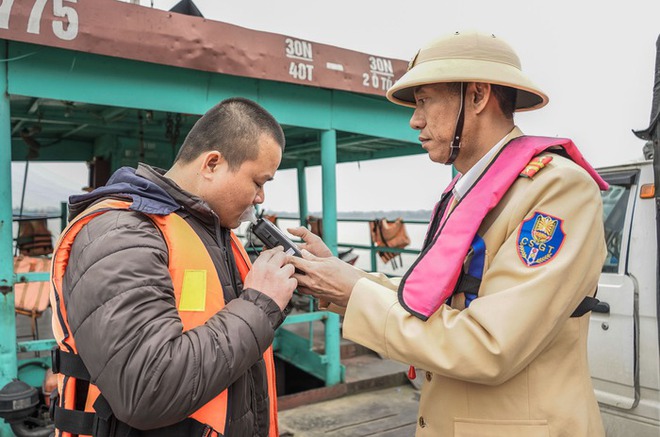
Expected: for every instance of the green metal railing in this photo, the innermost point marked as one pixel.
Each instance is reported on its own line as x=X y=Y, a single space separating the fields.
x=300 y=352
x=31 y=370
x=373 y=250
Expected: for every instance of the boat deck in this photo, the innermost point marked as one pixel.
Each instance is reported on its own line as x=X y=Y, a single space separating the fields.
x=376 y=399
x=389 y=412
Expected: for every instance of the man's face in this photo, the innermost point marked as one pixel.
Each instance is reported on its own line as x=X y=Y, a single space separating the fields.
x=435 y=117
x=230 y=192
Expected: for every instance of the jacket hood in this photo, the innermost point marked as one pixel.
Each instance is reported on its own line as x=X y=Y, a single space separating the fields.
x=147 y=197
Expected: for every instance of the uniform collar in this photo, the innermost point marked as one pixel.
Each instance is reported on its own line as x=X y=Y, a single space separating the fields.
x=470 y=177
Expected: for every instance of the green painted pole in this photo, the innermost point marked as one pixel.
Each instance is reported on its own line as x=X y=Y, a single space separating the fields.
x=302 y=193
x=8 y=358
x=329 y=178
x=333 y=370
x=302 y=212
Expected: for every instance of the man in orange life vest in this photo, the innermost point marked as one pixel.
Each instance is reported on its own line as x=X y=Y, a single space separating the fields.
x=163 y=327
x=495 y=310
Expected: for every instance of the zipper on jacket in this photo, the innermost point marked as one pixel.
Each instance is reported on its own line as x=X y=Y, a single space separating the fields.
x=224 y=241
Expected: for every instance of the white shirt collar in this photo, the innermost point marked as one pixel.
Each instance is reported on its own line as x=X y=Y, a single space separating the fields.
x=468 y=179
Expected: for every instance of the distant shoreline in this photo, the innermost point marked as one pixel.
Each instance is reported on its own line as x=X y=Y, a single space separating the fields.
x=422 y=214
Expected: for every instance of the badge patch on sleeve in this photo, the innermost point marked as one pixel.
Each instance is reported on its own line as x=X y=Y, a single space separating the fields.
x=540 y=239
x=535 y=165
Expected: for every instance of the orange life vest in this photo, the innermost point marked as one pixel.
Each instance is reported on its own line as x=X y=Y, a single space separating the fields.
x=190 y=267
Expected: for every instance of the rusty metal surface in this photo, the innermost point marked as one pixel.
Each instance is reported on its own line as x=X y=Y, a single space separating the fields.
x=108 y=27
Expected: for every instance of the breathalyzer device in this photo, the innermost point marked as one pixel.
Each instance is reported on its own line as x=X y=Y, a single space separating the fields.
x=272 y=236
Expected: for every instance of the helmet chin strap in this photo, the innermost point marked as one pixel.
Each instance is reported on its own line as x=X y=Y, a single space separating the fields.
x=458 y=132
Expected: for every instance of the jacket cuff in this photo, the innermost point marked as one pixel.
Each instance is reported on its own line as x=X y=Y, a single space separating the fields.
x=266 y=304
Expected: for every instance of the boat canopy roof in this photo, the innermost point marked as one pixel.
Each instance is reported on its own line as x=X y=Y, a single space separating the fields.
x=107 y=78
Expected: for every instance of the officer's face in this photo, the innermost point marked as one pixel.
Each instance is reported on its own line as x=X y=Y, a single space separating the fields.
x=435 y=117
x=230 y=192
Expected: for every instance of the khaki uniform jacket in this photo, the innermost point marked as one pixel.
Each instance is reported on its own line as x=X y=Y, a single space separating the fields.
x=514 y=363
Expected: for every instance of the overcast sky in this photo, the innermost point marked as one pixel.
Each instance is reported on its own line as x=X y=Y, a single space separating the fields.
x=595 y=61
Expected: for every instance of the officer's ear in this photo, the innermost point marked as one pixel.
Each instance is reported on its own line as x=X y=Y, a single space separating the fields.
x=480 y=94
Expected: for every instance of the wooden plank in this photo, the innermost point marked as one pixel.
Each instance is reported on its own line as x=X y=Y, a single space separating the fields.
x=389 y=412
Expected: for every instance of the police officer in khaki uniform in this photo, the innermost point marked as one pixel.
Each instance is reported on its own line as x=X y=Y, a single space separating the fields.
x=506 y=353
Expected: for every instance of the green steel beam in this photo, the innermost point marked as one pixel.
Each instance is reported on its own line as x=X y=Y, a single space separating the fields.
x=32 y=277
x=74 y=150
x=294 y=349
x=372 y=115
x=329 y=187
x=381 y=154
x=84 y=77
x=296 y=105
x=8 y=359
x=345 y=142
x=295 y=149
x=54 y=137
x=36 y=345
x=302 y=193
x=34 y=106
x=344 y=156
x=293 y=131
x=57 y=120
x=17 y=127
x=111 y=113
x=103 y=80
x=65 y=150
x=305 y=317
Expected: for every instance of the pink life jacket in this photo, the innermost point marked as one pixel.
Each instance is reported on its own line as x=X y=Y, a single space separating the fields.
x=425 y=287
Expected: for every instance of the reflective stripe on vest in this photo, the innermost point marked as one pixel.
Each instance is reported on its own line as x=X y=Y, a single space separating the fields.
x=425 y=287
x=190 y=267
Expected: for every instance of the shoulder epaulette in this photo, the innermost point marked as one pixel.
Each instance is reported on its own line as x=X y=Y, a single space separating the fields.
x=536 y=164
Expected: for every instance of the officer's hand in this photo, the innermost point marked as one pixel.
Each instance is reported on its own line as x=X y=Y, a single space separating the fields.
x=272 y=276
x=328 y=279
x=312 y=242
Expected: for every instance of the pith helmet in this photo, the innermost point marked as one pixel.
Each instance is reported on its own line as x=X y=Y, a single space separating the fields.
x=467 y=57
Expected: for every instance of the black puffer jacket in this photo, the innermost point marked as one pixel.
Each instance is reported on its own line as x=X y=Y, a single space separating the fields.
x=121 y=310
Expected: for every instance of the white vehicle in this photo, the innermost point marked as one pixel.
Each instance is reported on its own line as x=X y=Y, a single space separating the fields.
x=624 y=352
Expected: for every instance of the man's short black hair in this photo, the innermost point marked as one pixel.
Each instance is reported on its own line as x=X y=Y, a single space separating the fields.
x=506 y=97
x=233 y=128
